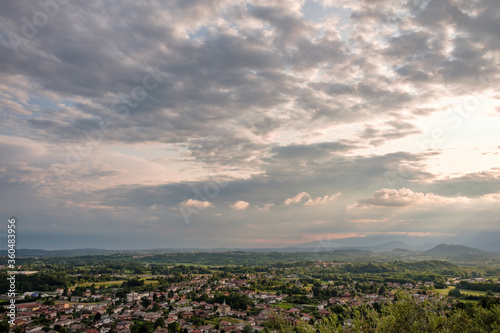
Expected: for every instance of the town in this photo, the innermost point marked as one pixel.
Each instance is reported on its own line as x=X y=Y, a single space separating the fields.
x=209 y=299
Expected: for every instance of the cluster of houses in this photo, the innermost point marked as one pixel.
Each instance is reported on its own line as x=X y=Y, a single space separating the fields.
x=80 y=313
x=61 y=314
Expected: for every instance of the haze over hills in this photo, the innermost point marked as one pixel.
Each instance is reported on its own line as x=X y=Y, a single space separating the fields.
x=451 y=249
x=478 y=244
x=377 y=242
x=487 y=241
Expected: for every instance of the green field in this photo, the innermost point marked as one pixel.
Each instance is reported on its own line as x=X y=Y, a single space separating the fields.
x=113 y=283
x=102 y=284
x=445 y=292
x=475 y=292
x=285 y=306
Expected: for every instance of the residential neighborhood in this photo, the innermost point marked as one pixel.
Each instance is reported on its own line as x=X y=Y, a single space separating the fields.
x=209 y=303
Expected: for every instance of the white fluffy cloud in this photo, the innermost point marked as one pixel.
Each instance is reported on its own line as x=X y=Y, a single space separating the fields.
x=197 y=204
x=297 y=199
x=265 y=207
x=321 y=200
x=240 y=205
x=405 y=197
x=301 y=198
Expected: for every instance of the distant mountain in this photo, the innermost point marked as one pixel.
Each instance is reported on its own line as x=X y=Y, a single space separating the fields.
x=486 y=241
x=483 y=240
x=401 y=250
x=470 y=242
x=375 y=243
x=384 y=247
x=63 y=253
x=389 y=246
x=452 y=250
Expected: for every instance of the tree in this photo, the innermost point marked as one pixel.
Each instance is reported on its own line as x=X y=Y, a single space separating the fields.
x=97 y=316
x=145 y=302
x=247 y=329
x=4 y=326
x=381 y=290
x=144 y=329
x=156 y=307
x=455 y=293
x=60 y=328
x=174 y=327
x=160 y=322
x=50 y=302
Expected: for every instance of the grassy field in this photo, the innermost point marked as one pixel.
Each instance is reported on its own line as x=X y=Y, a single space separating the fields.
x=285 y=306
x=146 y=281
x=475 y=292
x=445 y=292
x=113 y=283
x=186 y=264
x=198 y=265
x=102 y=284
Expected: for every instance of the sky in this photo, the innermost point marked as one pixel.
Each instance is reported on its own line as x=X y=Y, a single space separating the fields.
x=247 y=124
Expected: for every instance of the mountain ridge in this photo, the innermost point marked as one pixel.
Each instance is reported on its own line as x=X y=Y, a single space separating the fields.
x=465 y=242
x=453 y=249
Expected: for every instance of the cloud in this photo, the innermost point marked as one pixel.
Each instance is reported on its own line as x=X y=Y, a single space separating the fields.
x=471 y=185
x=282 y=103
x=297 y=199
x=300 y=198
x=197 y=204
x=312 y=151
x=393 y=198
x=265 y=207
x=405 y=197
x=321 y=200
x=491 y=197
x=395 y=129
x=240 y=205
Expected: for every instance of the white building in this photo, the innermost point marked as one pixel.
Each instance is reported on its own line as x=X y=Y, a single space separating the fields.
x=133 y=297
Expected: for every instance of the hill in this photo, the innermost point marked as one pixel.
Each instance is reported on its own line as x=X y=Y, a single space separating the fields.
x=452 y=250
x=486 y=241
